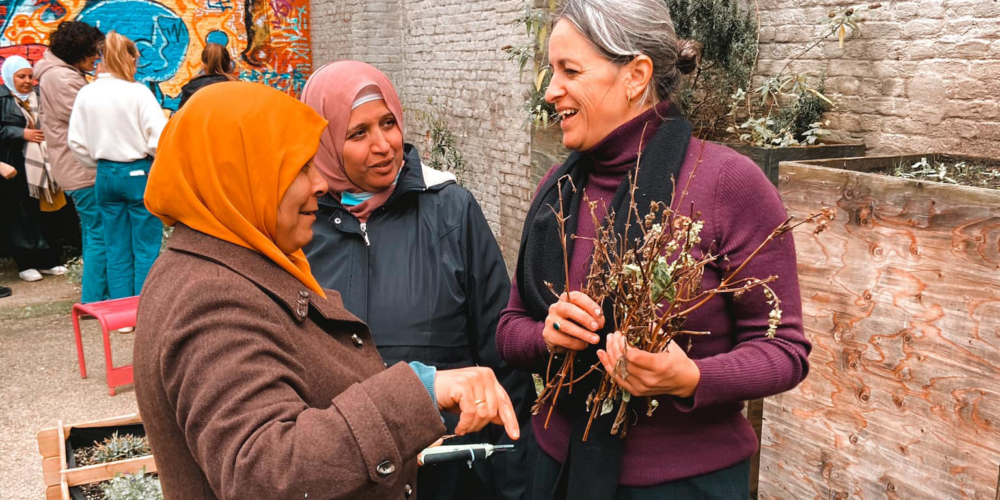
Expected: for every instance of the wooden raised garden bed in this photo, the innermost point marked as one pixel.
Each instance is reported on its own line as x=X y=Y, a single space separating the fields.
x=769 y=158
x=901 y=301
x=63 y=477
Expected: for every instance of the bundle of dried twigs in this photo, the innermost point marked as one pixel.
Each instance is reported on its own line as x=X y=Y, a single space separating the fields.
x=654 y=284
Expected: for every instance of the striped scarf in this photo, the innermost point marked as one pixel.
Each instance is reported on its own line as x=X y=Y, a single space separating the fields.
x=36 y=157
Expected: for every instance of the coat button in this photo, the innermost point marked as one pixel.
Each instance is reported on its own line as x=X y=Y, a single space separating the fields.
x=357 y=341
x=304 y=294
x=407 y=491
x=337 y=220
x=385 y=468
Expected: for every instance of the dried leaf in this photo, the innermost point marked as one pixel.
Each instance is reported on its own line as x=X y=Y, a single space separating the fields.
x=540 y=78
x=606 y=406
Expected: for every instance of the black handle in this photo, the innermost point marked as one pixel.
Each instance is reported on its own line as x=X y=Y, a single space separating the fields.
x=456 y=455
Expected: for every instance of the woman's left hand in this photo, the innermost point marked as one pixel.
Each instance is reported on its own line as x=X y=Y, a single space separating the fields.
x=647 y=374
x=33 y=135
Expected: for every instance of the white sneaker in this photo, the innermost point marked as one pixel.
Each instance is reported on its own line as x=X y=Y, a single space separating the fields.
x=30 y=275
x=127 y=329
x=55 y=271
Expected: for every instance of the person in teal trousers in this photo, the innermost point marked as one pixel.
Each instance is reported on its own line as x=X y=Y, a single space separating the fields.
x=115 y=126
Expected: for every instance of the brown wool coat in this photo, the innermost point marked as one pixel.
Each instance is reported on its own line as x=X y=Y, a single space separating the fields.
x=252 y=387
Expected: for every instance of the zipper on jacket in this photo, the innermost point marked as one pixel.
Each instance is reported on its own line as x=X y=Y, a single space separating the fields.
x=364 y=232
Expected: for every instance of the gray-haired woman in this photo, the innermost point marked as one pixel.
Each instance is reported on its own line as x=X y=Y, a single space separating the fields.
x=615 y=64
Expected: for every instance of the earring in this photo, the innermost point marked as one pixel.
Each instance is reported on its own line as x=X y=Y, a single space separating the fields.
x=629 y=97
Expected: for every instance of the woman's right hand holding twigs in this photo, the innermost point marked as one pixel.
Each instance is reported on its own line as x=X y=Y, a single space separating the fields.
x=572 y=323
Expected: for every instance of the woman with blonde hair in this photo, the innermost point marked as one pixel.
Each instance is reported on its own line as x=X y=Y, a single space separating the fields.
x=115 y=126
x=217 y=67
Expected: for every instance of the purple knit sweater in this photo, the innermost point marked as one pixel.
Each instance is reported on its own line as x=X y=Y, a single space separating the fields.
x=706 y=432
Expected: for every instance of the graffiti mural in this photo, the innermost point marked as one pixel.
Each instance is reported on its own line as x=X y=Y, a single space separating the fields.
x=269 y=39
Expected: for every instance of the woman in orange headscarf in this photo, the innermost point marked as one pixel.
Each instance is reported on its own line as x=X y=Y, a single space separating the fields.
x=253 y=381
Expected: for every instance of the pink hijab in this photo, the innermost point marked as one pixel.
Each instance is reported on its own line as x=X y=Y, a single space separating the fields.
x=331 y=92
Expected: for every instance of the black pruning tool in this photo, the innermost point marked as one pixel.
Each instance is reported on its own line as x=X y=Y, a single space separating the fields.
x=469 y=452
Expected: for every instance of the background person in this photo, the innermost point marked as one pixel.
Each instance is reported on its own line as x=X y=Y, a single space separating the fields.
x=21 y=142
x=216 y=67
x=253 y=381
x=73 y=51
x=413 y=256
x=115 y=126
x=615 y=66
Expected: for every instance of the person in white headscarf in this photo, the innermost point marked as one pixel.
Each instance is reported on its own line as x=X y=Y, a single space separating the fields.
x=22 y=163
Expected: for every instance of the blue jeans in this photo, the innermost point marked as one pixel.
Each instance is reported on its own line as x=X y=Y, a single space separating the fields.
x=95 y=264
x=132 y=234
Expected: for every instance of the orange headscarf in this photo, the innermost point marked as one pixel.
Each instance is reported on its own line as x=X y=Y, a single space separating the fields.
x=224 y=162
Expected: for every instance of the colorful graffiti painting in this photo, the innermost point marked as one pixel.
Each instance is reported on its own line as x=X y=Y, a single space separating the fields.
x=268 y=38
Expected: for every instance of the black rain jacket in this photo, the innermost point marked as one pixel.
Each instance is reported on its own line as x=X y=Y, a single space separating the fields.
x=427 y=276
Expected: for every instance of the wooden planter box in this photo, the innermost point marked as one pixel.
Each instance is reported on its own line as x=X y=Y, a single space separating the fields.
x=546 y=150
x=769 y=158
x=60 y=477
x=901 y=301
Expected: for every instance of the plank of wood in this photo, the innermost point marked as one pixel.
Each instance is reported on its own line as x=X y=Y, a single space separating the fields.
x=901 y=300
x=63 y=486
x=50 y=470
x=48 y=442
x=53 y=492
x=103 y=472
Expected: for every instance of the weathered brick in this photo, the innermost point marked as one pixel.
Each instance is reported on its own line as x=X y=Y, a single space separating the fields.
x=922 y=75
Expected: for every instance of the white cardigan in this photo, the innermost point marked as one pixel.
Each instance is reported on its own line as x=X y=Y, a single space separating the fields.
x=114 y=120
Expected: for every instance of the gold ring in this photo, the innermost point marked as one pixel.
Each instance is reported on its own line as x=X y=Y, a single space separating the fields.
x=479 y=401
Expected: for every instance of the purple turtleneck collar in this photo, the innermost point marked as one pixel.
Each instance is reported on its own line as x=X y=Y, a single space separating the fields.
x=619 y=150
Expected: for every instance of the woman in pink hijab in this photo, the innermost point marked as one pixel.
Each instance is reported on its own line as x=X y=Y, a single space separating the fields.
x=412 y=255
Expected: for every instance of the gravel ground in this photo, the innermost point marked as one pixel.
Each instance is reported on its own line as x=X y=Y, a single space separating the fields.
x=41 y=381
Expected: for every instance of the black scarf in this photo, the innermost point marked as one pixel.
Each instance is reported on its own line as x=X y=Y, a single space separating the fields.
x=596 y=462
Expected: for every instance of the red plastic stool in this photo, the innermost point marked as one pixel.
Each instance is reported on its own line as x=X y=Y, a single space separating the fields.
x=112 y=314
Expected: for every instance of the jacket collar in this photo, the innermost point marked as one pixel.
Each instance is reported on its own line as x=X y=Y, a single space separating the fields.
x=5 y=92
x=261 y=271
x=411 y=179
x=50 y=61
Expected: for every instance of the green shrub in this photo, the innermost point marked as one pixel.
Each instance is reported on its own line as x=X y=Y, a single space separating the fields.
x=120 y=448
x=139 y=486
x=728 y=33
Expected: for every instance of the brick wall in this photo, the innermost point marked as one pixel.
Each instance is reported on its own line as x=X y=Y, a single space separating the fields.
x=448 y=52
x=925 y=75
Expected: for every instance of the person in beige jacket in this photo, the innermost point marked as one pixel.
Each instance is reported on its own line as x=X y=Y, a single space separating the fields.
x=73 y=51
x=252 y=380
